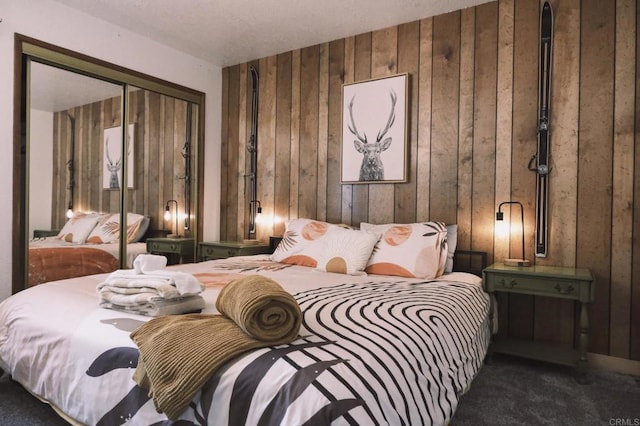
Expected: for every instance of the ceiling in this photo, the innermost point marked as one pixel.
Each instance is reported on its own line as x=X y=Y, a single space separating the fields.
x=230 y=32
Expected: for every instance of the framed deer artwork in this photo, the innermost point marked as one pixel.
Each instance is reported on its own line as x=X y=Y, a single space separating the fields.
x=112 y=157
x=374 y=131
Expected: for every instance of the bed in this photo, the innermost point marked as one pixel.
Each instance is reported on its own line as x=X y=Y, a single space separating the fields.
x=372 y=349
x=88 y=244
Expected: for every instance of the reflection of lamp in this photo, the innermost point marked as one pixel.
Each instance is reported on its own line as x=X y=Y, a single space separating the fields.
x=255 y=214
x=500 y=216
x=70 y=210
x=167 y=217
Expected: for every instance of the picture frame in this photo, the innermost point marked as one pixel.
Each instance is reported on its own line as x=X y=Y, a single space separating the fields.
x=111 y=157
x=374 y=131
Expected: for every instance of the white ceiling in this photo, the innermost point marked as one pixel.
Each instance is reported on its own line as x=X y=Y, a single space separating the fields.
x=230 y=32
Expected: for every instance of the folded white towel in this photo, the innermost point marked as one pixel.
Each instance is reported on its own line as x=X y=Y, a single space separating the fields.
x=156 y=308
x=185 y=284
x=149 y=262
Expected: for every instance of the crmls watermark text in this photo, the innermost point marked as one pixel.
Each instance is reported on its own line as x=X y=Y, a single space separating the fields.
x=624 y=422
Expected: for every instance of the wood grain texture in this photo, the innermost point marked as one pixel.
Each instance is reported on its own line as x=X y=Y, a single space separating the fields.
x=595 y=159
x=408 y=62
x=484 y=127
x=444 y=117
x=472 y=127
x=424 y=79
x=334 y=193
x=623 y=159
x=465 y=127
x=309 y=89
x=323 y=129
x=282 y=143
x=634 y=338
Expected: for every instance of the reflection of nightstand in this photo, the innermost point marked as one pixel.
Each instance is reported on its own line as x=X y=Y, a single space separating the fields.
x=181 y=247
x=42 y=233
x=224 y=249
x=550 y=281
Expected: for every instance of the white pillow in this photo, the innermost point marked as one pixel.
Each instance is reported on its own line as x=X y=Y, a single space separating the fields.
x=108 y=228
x=344 y=251
x=325 y=246
x=78 y=228
x=452 y=241
x=299 y=234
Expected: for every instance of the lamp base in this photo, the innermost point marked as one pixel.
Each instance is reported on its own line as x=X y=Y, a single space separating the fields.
x=516 y=262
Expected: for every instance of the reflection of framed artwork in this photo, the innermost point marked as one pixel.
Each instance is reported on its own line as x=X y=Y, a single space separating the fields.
x=112 y=158
x=374 y=136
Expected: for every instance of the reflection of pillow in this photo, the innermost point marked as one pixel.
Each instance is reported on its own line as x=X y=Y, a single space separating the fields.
x=343 y=251
x=78 y=227
x=108 y=229
x=452 y=240
x=142 y=229
x=416 y=250
x=300 y=234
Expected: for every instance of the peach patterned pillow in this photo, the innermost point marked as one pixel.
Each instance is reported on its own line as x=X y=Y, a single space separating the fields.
x=78 y=228
x=299 y=234
x=326 y=247
x=344 y=251
x=108 y=228
x=414 y=250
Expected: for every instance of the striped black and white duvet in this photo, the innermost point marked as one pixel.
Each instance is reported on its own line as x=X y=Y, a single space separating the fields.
x=372 y=350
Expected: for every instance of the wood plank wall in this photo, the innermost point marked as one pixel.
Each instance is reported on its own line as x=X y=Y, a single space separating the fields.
x=159 y=167
x=472 y=129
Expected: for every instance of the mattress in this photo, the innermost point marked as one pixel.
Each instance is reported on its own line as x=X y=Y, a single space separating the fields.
x=372 y=349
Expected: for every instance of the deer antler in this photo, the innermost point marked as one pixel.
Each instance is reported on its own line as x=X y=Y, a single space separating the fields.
x=107 y=152
x=352 y=125
x=392 y=116
x=109 y=160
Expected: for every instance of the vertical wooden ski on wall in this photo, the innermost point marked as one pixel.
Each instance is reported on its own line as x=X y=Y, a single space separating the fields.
x=252 y=147
x=541 y=158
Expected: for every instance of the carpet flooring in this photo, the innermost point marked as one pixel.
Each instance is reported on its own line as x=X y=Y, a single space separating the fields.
x=516 y=391
x=509 y=391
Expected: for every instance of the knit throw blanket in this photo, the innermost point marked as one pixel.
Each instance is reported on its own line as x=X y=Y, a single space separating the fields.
x=178 y=354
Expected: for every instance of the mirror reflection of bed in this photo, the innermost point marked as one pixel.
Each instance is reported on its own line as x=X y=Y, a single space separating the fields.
x=76 y=170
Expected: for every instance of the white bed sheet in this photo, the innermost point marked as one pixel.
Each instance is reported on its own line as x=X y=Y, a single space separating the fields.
x=389 y=349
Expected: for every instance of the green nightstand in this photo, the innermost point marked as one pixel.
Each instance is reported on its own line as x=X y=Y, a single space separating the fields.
x=224 y=249
x=181 y=247
x=575 y=284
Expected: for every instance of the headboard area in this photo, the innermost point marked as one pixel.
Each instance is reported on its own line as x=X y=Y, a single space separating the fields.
x=469 y=261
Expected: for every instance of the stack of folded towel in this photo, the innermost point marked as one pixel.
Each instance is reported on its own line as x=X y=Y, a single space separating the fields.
x=150 y=289
x=179 y=354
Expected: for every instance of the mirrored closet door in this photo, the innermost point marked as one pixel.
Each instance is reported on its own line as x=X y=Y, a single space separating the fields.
x=102 y=154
